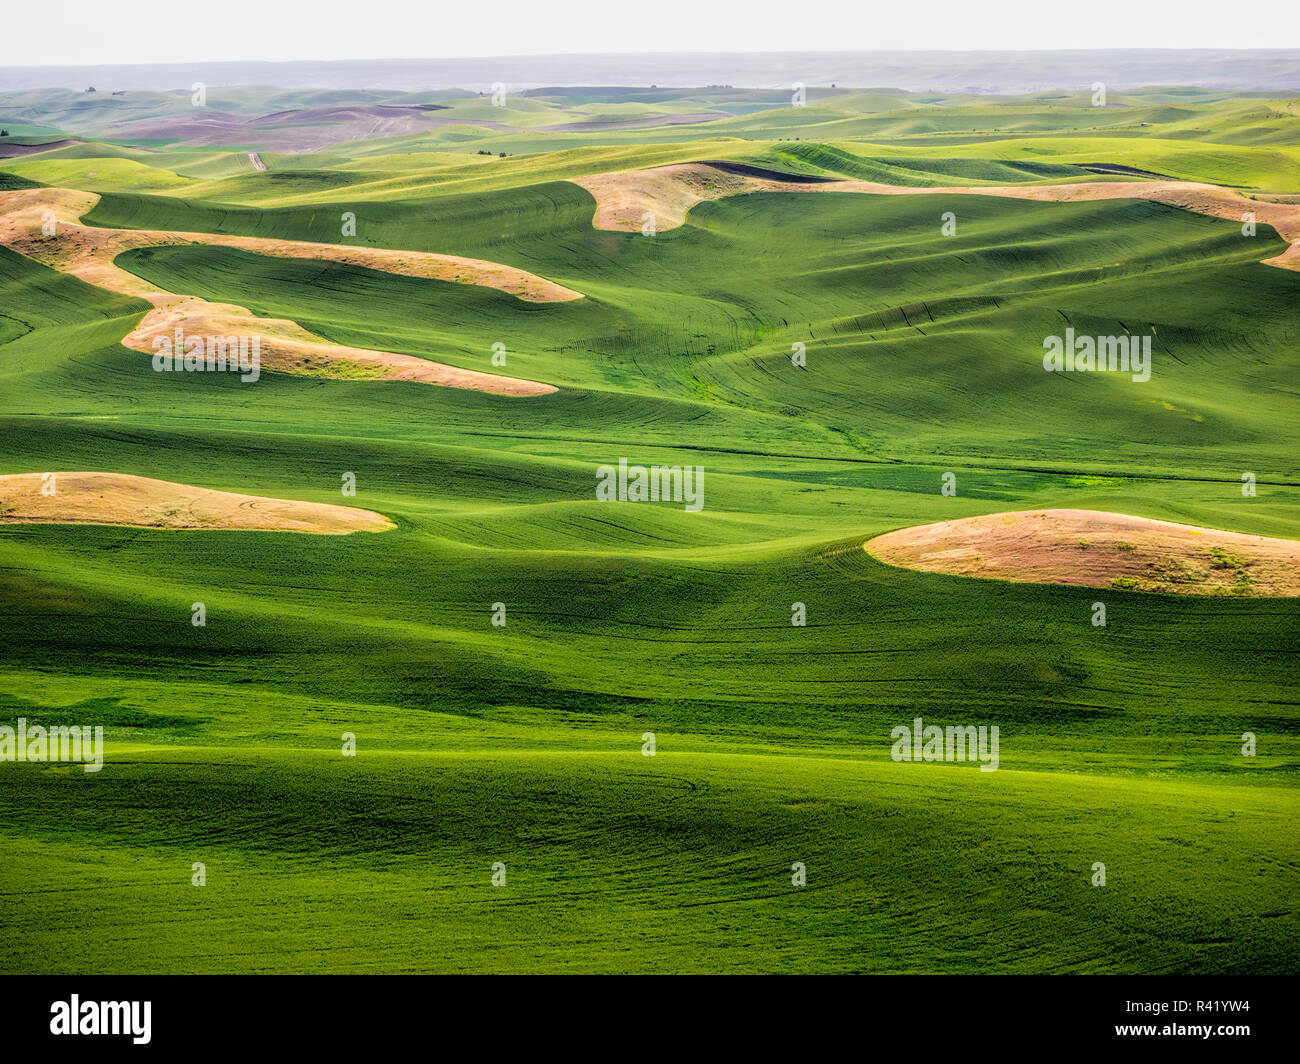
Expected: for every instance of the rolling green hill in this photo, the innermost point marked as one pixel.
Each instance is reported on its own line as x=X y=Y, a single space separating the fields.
x=522 y=743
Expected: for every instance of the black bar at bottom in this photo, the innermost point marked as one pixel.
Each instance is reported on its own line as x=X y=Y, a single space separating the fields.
x=342 y=1013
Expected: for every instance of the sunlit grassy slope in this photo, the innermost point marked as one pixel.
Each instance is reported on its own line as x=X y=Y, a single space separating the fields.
x=523 y=743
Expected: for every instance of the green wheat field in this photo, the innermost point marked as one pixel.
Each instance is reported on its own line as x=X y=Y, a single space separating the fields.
x=482 y=745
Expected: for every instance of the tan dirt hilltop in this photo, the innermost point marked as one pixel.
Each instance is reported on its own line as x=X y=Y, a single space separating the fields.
x=122 y=499
x=1093 y=548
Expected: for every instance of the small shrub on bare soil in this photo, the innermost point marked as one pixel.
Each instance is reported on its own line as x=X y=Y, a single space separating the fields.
x=1221 y=559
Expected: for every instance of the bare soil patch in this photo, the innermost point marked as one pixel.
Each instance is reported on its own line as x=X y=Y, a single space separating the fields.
x=14 y=151
x=1093 y=548
x=122 y=499
x=89 y=252
x=669 y=192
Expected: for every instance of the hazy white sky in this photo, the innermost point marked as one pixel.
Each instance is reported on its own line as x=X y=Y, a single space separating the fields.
x=38 y=32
